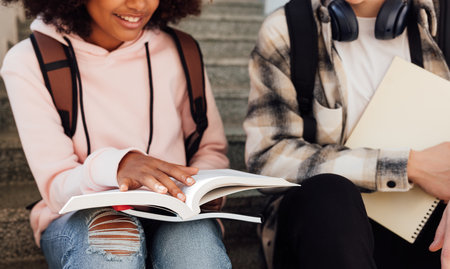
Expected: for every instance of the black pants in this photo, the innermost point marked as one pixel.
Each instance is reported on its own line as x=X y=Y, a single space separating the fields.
x=393 y=252
x=324 y=224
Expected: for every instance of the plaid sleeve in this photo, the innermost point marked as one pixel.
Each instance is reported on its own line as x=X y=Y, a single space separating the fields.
x=275 y=145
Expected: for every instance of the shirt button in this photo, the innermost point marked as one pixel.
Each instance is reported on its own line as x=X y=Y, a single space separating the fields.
x=391 y=184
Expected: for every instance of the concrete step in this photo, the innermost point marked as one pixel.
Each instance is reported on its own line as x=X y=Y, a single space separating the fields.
x=243 y=255
x=18 y=195
x=6 y=117
x=228 y=75
x=217 y=47
x=33 y=263
x=223 y=24
x=232 y=111
x=241 y=238
x=13 y=164
x=24 y=28
x=236 y=150
x=17 y=240
x=242 y=7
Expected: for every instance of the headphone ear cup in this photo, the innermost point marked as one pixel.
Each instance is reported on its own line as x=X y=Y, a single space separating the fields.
x=392 y=19
x=343 y=21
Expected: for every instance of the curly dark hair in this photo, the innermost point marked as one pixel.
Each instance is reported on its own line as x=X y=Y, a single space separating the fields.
x=71 y=16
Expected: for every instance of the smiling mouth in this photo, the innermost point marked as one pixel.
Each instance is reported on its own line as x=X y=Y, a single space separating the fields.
x=129 y=18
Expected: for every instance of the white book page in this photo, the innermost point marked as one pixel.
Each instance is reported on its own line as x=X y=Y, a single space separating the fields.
x=209 y=215
x=115 y=197
x=225 y=182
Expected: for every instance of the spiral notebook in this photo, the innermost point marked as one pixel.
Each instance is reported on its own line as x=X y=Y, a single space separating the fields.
x=410 y=109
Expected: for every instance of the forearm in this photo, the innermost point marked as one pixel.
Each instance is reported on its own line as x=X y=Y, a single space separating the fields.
x=296 y=160
x=58 y=180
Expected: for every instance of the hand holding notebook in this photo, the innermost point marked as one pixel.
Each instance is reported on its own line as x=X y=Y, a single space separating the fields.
x=410 y=109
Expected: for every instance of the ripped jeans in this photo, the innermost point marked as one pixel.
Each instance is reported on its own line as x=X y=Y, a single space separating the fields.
x=103 y=238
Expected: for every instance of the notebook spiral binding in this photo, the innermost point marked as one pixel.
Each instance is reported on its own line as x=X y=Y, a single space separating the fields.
x=425 y=219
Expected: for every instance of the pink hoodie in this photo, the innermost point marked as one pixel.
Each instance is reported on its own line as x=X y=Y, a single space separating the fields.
x=116 y=103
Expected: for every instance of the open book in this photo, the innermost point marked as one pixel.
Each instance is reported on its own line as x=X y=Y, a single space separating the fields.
x=410 y=109
x=210 y=185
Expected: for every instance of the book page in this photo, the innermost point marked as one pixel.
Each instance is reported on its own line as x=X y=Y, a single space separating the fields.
x=208 y=215
x=226 y=181
x=410 y=109
x=141 y=197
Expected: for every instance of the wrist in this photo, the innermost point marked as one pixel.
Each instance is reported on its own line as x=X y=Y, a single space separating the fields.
x=411 y=169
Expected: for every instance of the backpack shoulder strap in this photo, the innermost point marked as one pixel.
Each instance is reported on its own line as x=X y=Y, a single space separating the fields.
x=304 y=60
x=192 y=61
x=304 y=56
x=443 y=26
x=414 y=40
x=57 y=70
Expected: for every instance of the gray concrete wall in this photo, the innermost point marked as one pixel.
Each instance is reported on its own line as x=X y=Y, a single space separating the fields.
x=8 y=27
x=271 y=5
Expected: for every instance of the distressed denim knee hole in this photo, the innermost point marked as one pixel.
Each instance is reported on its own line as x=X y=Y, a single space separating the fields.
x=113 y=233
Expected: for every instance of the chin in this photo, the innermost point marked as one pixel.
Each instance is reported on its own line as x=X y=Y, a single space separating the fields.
x=354 y=2
x=130 y=37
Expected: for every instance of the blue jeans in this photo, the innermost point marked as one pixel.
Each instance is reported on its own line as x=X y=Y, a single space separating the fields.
x=90 y=239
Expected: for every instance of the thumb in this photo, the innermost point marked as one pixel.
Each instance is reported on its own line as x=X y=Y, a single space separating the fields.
x=438 y=241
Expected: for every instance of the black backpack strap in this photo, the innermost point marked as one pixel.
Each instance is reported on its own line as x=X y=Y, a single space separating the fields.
x=191 y=59
x=57 y=70
x=443 y=34
x=304 y=60
x=415 y=44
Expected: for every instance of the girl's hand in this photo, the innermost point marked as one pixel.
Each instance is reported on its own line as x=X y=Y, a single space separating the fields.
x=137 y=170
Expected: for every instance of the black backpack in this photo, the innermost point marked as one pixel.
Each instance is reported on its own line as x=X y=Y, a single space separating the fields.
x=304 y=53
x=61 y=76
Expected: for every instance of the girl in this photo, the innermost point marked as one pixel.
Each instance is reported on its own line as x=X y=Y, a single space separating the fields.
x=109 y=39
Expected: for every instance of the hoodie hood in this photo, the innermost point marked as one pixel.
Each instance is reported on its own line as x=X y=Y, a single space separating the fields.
x=86 y=50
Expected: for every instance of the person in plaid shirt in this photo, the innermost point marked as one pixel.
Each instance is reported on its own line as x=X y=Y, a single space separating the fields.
x=324 y=223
